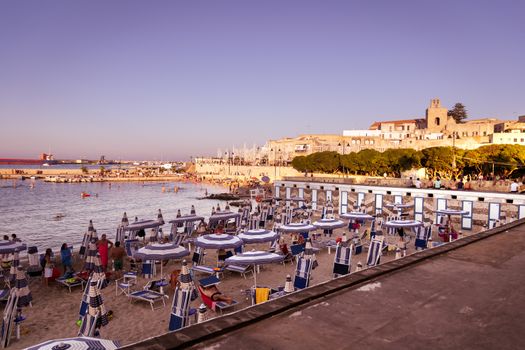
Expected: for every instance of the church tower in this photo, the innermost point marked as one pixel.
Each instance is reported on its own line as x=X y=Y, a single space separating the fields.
x=436 y=116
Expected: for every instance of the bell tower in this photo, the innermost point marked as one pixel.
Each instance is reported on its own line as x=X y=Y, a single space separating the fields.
x=436 y=116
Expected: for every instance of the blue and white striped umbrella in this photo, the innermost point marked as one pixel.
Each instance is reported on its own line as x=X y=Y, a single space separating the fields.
x=161 y=251
x=357 y=215
x=403 y=223
x=180 y=308
x=87 y=238
x=22 y=289
x=451 y=212
x=218 y=241
x=254 y=258
x=13 y=272
x=92 y=252
x=258 y=236
x=297 y=227
x=96 y=316
x=8 y=247
x=399 y=206
x=80 y=343
x=223 y=216
x=186 y=218
x=329 y=224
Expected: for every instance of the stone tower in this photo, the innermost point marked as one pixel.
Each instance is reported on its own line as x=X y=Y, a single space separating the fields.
x=436 y=116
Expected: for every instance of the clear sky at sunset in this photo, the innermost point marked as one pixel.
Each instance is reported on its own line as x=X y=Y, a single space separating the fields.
x=151 y=79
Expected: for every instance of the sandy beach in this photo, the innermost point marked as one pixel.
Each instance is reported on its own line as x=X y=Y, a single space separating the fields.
x=55 y=310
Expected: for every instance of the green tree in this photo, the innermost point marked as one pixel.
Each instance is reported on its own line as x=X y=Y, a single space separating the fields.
x=84 y=169
x=300 y=164
x=459 y=112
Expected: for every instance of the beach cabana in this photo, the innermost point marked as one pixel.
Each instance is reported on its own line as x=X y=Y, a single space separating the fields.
x=80 y=343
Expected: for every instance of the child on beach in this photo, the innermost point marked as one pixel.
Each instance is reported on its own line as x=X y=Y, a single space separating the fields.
x=48 y=266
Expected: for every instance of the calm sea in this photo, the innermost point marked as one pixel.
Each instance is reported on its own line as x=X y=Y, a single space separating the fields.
x=50 y=214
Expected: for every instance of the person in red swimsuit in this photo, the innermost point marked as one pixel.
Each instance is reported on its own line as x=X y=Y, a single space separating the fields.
x=104 y=245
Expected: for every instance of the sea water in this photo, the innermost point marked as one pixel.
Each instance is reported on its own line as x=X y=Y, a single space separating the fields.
x=49 y=214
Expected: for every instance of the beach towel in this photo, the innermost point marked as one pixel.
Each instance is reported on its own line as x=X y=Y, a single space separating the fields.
x=261 y=295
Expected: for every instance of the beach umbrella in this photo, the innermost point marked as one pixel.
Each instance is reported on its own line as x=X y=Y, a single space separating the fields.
x=297 y=227
x=97 y=276
x=184 y=293
x=92 y=252
x=451 y=212
x=22 y=289
x=121 y=228
x=399 y=207
x=13 y=272
x=357 y=216
x=160 y=219
x=192 y=210
x=328 y=225
x=96 y=315
x=258 y=236
x=265 y=179
x=288 y=285
x=218 y=241
x=80 y=343
x=309 y=251
x=9 y=247
x=125 y=221
x=403 y=223
x=254 y=258
x=203 y=314
x=161 y=251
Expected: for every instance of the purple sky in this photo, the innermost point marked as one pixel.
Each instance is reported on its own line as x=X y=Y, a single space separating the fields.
x=151 y=79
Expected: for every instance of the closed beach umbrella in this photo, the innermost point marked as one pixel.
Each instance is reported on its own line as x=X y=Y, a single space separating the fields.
x=218 y=241
x=22 y=289
x=13 y=272
x=160 y=219
x=80 y=343
x=182 y=297
x=309 y=251
x=121 y=229
x=125 y=221
x=97 y=276
x=254 y=258
x=161 y=251
x=87 y=238
x=192 y=210
x=203 y=314
x=92 y=252
x=258 y=236
x=96 y=316
x=288 y=285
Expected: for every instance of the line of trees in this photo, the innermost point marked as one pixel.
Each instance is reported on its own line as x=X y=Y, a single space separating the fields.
x=503 y=160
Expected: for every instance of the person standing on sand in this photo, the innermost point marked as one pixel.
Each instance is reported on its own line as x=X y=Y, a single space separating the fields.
x=48 y=266
x=117 y=255
x=104 y=245
x=65 y=256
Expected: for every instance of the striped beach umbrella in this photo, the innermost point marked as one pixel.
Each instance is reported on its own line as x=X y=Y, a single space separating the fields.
x=80 y=343
x=309 y=251
x=161 y=251
x=288 y=285
x=160 y=219
x=92 y=252
x=403 y=223
x=9 y=247
x=96 y=316
x=297 y=227
x=203 y=314
x=451 y=212
x=13 y=272
x=218 y=241
x=328 y=225
x=254 y=258
x=121 y=228
x=85 y=241
x=192 y=210
x=258 y=236
x=184 y=293
x=22 y=289
x=125 y=221
x=356 y=215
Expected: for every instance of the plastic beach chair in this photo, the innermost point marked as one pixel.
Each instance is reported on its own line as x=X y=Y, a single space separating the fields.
x=197 y=259
x=303 y=273
x=217 y=306
x=375 y=251
x=149 y=296
x=423 y=234
x=342 y=260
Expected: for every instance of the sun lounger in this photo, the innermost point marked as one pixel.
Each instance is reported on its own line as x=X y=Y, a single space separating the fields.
x=243 y=270
x=197 y=259
x=217 y=306
x=71 y=282
x=149 y=296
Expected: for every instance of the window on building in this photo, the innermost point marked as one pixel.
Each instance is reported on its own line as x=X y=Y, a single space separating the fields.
x=438 y=121
x=402 y=128
x=353 y=142
x=484 y=133
x=408 y=127
x=521 y=140
x=515 y=140
x=371 y=142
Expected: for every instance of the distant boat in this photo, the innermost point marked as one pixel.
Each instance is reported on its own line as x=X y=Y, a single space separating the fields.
x=45 y=164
